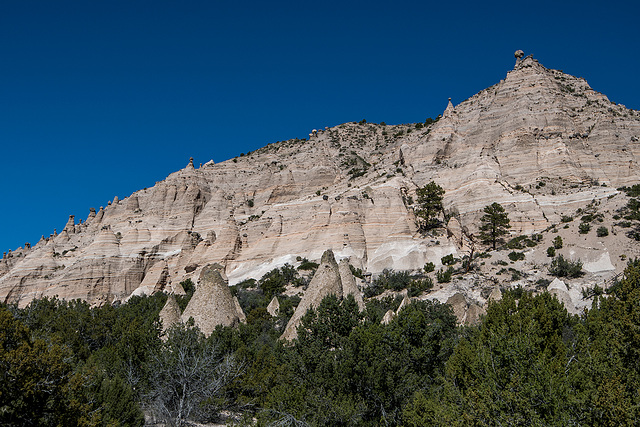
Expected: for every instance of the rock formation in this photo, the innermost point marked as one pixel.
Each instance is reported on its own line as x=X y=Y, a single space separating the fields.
x=241 y=317
x=212 y=303
x=170 y=313
x=388 y=317
x=348 y=281
x=329 y=279
x=274 y=307
x=351 y=189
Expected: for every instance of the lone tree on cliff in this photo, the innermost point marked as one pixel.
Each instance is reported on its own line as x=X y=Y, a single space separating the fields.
x=495 y=223
x=429 y=206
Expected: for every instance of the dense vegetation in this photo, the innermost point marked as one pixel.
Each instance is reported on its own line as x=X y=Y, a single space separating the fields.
x=528 y=363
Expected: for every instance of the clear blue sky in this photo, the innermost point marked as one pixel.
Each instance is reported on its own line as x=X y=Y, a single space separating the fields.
x=102 y=98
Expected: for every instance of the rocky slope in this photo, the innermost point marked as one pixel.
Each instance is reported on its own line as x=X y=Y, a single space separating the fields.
x=540 y=142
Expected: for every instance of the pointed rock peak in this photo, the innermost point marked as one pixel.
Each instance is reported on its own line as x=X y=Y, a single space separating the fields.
x=349 y=286
x=458 y=303
x=274 y=307
x=388 y=317
x=328 y=258
x=557 y=284
x=177 y=289
x=496 y=294
x=70 y=227
x=527 y=62
x=450 y=110
x=325 y=281
x=241 y=317
x=212 y=303
x=170 y=313
x=211 y=274
x=405 y=302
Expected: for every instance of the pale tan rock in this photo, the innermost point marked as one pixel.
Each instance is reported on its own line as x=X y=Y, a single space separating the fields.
x=496 y=294
x=274 y=307
x=405 y=302
x=458 y=303
x=170 y=313
x=212 y=303
x=240 y=313
x=474 y=314
x=348 y=281
x=388 y=317
x=326 y=281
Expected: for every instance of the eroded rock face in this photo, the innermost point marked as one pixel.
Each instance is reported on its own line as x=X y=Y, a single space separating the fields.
x=349 y=188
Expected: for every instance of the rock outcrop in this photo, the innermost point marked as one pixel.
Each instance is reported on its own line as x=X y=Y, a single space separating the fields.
x=540 y=142
x=212 y=303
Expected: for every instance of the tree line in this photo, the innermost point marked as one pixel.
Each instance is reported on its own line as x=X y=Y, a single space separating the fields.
x=529 y=362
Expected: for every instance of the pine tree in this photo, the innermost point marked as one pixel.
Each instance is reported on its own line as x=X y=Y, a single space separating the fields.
x=429 y=205
x=495 y=223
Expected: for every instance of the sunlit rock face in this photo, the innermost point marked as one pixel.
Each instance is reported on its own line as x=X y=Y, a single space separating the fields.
x=539 y=142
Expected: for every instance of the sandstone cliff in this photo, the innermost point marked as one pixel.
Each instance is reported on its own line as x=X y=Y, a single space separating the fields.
x=349 y=188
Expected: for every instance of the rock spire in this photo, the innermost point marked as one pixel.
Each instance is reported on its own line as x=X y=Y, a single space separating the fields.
x=212 y=303
x=329 y=279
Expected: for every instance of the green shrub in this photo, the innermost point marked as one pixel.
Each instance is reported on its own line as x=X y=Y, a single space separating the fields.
x=418 y=286
x=448 y=260
x=602 y=231
x=357 y=272
x=388 y=279
x=584 y=228
x=551 y=251
x=307 y=265
x=516 y=256
x=515 y=275
x=516 y=242
x=557 y=242
x=566 y=218
x=429 y=267
x=561 y=267
x=444 y=276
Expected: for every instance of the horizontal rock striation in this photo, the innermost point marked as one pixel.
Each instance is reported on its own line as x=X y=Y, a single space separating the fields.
x=349 y=188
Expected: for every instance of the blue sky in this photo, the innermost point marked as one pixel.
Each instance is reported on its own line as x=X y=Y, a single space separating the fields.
x=103 y=98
